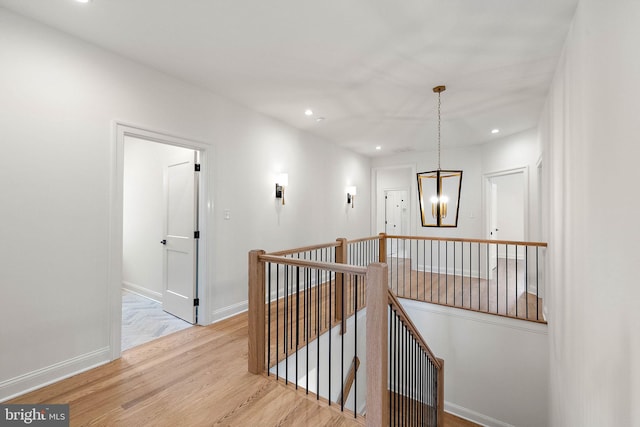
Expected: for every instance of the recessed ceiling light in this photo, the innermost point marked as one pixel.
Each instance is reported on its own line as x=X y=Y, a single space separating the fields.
x=308 y=112
x=319 y=119
x=495 y=131
x=378 y=148
x=83 y=1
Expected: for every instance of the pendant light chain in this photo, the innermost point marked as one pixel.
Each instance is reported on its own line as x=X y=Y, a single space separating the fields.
x=439 y=130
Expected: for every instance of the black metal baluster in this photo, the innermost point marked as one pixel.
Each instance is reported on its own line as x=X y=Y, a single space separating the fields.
x=318 y=311
x=355 y=353
x=506 y=279
x=329 y=323
x=479 y=274
x=414 y=389
x=286 y=324
x=277 y=322
x=342 y=333
x=424 y=270
x=307 y=305
x=488 y=276
x=404 y=268
x=470 y=267
x=297 y=319
x=526 y=280
x=446 y=271
x=516 y=297
x=461 y=272
x=405 y=373
x=497 y=281
x=454 y=272
x=269 y=319
x=393 y=364
x=431 y=268
x=421 y=388
x=537 y=285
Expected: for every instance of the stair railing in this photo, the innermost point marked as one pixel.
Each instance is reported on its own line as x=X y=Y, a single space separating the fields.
x=297 y=332
x=297 y=335
x=499 y=277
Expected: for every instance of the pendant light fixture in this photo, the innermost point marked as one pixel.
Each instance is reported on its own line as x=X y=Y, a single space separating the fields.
x=439 y=190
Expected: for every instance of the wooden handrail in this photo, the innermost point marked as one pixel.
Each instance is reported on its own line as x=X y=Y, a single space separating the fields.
x=406 y=320
x=305 y=249
x=332 y=266
x=458 y=239
x=364 y=239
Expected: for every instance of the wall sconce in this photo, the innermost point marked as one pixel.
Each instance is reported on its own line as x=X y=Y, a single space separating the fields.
x=282 y=180
x=351 y=195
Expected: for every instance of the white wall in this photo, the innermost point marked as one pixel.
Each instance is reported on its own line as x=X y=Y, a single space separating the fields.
x=495 y=369
x=520 y=151
x=60 y=97
x=143 y=215
x=589 y=132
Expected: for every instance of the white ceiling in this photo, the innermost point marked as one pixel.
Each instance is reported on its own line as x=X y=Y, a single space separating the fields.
x=367 y=66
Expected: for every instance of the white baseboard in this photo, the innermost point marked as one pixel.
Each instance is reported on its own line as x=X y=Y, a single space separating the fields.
x=229 y=311
x=39 y=378
x=473 y=416
x=142 y=291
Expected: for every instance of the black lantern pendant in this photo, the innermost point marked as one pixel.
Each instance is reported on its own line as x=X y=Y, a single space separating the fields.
x=439 y=190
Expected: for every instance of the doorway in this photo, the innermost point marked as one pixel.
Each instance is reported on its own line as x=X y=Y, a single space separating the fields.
x=506 y=213
x=158 y=257
x=506 y=205
x=158 y=181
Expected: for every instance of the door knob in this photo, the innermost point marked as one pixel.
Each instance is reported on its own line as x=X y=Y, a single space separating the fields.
x=164 y=242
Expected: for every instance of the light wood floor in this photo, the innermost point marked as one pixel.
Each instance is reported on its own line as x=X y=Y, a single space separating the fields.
x=503 y=295
x=195 y=377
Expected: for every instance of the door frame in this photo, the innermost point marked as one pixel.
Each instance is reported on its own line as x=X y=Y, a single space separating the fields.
x=119 y=131
x=486 y=200
x=377 y=194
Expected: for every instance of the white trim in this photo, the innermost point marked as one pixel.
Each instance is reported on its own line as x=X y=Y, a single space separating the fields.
x=142 y=291
x=42 y=377
x=492 y=319
x=486 y=177
x=119 y=131
x=229 y=311
x=474 y=416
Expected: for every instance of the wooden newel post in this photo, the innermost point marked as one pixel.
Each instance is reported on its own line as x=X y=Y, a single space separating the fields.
x=440 y=405
x=256 y=313
x=382 y=256
x=377 y=336
x=341 y=258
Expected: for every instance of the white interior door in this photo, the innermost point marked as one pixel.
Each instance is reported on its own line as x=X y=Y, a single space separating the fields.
x=180 y=242
x=396 y=217
x=396 y=212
